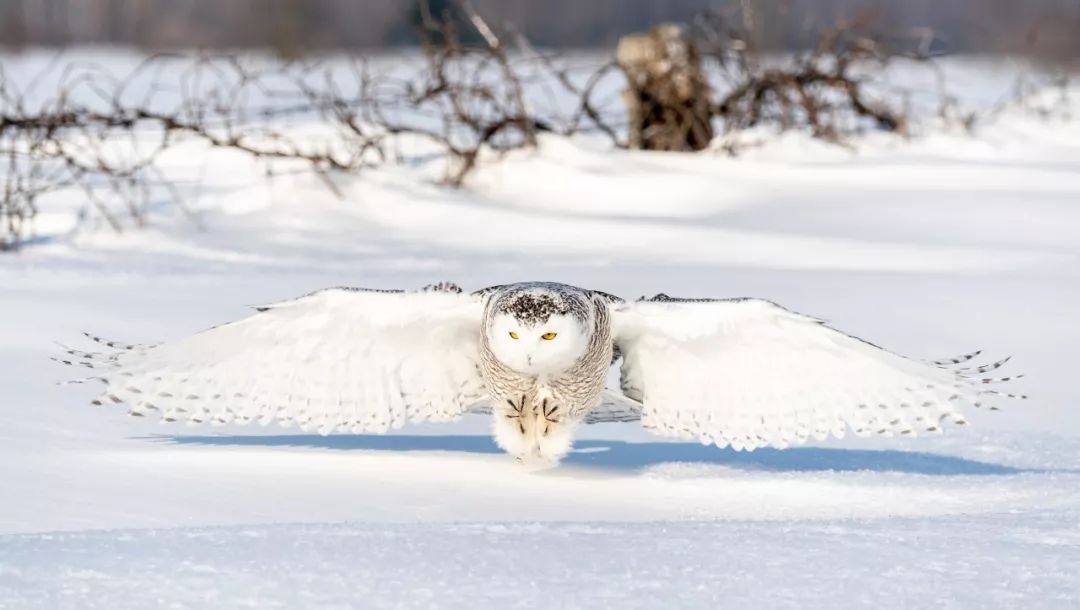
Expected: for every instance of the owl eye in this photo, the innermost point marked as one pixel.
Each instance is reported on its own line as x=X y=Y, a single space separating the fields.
x=513 y=335
x=548 y=336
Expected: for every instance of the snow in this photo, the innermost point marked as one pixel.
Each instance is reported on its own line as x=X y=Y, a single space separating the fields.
x=902 y=562
x=931 y=246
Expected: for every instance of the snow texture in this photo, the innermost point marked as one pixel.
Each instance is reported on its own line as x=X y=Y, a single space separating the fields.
x=937 y=245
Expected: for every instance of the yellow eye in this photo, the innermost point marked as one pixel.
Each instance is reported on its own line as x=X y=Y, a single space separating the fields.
x=513 y=335
x=547 y=336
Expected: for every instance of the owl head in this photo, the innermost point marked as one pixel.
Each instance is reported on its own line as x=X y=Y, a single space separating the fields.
x=538 y=332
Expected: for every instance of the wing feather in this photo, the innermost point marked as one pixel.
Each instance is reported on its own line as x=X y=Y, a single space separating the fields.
x=749 y=373
x=337 y=359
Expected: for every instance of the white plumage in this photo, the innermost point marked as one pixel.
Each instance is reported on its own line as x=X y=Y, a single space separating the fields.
x=740 y=372
x=748 y=373
x=335 y=360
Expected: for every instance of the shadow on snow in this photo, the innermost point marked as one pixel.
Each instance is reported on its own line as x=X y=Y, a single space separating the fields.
x=623 y=455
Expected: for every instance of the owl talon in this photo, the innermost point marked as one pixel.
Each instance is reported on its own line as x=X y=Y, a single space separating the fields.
x=517 y=407
x=549 y=414
x=534 y=430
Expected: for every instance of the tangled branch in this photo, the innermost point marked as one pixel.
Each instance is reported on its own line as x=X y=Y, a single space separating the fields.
x=104 y=136
x=819 y=89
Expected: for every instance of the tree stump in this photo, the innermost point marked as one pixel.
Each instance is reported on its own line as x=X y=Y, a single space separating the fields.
x=668 y=97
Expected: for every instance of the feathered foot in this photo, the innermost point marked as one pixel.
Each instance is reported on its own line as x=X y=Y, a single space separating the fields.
x=537 y=435
x=555 y=431
x=512 y=428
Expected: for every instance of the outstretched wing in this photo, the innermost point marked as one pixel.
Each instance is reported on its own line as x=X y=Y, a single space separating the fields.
x=749 y=373
x=338 y=359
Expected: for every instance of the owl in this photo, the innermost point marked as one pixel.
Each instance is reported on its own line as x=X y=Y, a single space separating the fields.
x=535 y=356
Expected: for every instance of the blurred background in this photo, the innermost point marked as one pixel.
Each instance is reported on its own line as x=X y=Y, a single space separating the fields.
x=1049 y=28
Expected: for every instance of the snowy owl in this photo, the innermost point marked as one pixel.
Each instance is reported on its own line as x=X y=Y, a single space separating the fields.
x=740 y=372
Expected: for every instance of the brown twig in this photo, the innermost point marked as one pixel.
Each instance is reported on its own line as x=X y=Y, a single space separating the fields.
x=816 y=91
x=97 y=135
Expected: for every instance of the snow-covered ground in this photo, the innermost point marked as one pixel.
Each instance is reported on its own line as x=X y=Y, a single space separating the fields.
x=932 y=246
